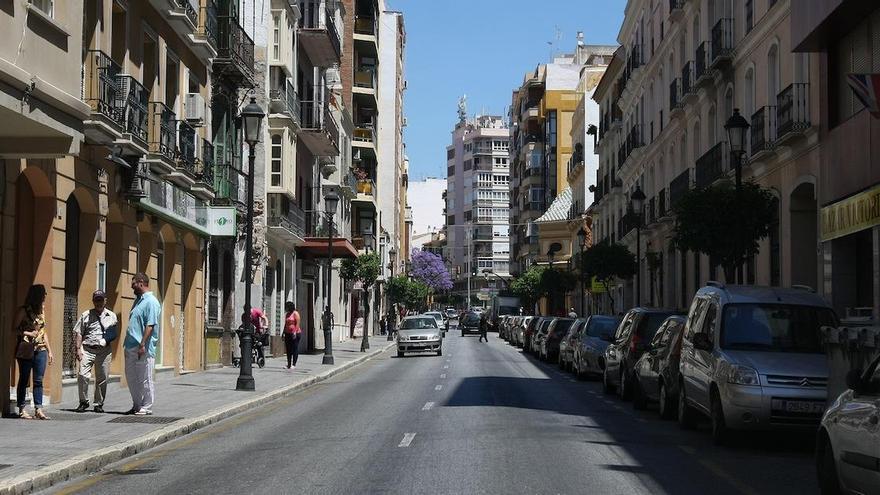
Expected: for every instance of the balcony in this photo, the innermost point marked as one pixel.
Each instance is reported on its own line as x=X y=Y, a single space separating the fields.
x=235 y=52
x=287 y=221
x=229 y=185
x=663 y=211
x=365 y=26
x=722 y=43
x=366 y=192
x=364 y=135
x=206 y=39
x=792 y=112
x=676 y=105
x=318 y=129
x=203 y=187
x=679 y=187
x=187 y=140
x=131 y=104
x=348 y=185
x=631 y=147
x=712 y=165
x=763 y=132
x=676 y=9
x=162 y=138
x=101 y=92
x=702 y=64
x=284 y=102
x=317 y=32
x=365 y=78
x=185 y=14
x=688 y=89
x=529 y=110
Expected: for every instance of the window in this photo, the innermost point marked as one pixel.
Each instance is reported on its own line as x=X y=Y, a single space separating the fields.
x=708 y=326
x=750 y=15
x=450 y=171
x=45 y=6
x=468 y=164
x=276 y=164
x=276 y=37
x=450 y=153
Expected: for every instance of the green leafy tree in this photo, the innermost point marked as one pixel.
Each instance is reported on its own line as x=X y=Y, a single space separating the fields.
x=607 y=262
x=554 y=285
x=364 y=269
x=407 y=292
x=723 y=224
x=529 y=286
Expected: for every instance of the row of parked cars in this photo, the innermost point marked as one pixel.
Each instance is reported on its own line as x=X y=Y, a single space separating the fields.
x=743 y=357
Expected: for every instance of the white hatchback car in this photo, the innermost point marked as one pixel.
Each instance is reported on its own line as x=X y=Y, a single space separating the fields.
x=419 y=334
x=848 y=442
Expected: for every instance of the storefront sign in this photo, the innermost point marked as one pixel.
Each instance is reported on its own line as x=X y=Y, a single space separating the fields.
x=597 y=287
x=221 y=221
x=850 y=215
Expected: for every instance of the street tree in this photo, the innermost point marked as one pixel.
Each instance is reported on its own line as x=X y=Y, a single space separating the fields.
x=407 y=292
x=528 y=286
x=724 y=224
x=554 y=285
x=607 y=262
x=364 y=269
x=430 y=269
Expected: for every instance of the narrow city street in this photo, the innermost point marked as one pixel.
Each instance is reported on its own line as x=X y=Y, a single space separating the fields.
x=482 y=418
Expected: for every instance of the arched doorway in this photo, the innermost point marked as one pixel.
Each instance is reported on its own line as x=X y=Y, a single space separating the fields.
x=72 y=278
x=802 y=238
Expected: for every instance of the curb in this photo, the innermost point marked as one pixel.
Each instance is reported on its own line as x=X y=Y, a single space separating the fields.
x=92 y=462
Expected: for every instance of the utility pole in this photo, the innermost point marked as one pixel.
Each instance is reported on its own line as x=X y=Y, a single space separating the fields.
x=468 y=235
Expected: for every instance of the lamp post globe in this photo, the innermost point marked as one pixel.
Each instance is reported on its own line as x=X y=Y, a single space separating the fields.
x=252 y=117
x=331 y=202
x=736 y=127
x=637 y=200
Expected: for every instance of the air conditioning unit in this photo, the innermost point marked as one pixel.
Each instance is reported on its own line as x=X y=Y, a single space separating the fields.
x=405 y=84
x=403 y=124
x=195 y=109
x=356 y=156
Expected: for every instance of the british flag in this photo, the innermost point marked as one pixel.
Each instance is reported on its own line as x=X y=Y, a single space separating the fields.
x=866 y=88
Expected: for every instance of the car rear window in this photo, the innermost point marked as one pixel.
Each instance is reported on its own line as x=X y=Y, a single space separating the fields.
x=471 y=319
x=602 y=326
x=650 y=323
x=561 y=327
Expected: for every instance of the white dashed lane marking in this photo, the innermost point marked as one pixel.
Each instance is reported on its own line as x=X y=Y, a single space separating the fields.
x=407 y=439
x=443 y=375
x=428 y=405
x=438 y=387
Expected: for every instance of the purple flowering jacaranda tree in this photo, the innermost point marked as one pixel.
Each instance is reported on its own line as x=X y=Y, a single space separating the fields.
x=430 y=269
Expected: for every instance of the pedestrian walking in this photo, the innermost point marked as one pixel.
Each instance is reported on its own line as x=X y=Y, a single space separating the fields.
x=572 y=313
x=93 y=333
x=140 y=345
x=261 y=326
x=32 y=351
x=484 y=328
x=292 y=334
x=383 y=326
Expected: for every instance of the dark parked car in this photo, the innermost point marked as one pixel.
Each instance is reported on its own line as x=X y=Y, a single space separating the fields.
x=530 y=330
x=557 y=330
x=566 y=347
x=656 y=373
x=589 y=351
x=540 y=334
x=469 y=323
x=630 y=341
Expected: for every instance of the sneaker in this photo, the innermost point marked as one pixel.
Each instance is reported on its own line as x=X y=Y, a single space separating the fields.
x=82 y=407
x=143 y=412
x=131 y=411
x=98 y=409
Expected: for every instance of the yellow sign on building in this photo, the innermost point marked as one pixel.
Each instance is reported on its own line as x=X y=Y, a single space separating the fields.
x=847 y=216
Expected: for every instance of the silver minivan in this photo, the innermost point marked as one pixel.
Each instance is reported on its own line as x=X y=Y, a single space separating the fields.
x=752 y=358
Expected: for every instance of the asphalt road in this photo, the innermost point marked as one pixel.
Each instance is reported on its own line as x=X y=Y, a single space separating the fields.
x=483 y=418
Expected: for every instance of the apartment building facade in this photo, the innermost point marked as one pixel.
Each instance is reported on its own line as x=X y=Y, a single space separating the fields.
x=682 y=69
x=478 y=198
x=114 y=168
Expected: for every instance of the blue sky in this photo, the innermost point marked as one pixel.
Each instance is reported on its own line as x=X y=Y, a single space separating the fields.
x=482 y=48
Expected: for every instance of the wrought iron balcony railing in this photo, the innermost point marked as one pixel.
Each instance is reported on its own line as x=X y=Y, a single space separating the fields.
x=763 y=129
x=285 y=95
x=711 y=165
x=687 y=78
x=315 y=116
x=722 y=39
x=189 y=10
x=163 y=131
x=674 y=94
x=235 y=48
x=318 y=15
x=793 y=109
x=701 y=60
x=186 y=147
x=205 y=164
x=291 y=218
x=101 y=86
x=132 y=100
x=208 y=23
x=679 y=187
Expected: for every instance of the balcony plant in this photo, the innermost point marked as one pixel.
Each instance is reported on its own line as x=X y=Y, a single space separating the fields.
x=364 y=186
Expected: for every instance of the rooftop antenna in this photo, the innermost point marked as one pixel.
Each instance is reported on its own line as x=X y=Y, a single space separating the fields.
x=557 y=36
x=462 y=109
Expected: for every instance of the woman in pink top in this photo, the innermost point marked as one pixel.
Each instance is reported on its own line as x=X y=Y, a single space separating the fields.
x=292 y=333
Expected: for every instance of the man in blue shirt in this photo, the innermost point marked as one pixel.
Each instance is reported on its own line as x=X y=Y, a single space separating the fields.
x=140 y=345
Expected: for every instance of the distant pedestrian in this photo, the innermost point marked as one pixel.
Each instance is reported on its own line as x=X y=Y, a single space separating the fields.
x=32 y=350
x=383 y=325
x=141 y=338
x=261 y=327
x=292 y=334
x=93 y=333
x=484 y=327
x=572 y=313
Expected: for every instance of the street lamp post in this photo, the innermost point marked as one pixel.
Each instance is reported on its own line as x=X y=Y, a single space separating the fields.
x=331 y=201
x=391 y=319
x=581 y=238
x=252 y=117
x=637 y=200
x=736 y=127
x=369 y=239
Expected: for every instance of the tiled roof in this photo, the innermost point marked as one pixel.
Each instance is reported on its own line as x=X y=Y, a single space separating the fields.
x=558 y=211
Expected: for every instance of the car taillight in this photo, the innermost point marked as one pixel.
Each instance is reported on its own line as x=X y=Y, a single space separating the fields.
x=634 y=343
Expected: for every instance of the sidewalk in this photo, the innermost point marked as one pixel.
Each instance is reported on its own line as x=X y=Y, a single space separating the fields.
x=38 y=454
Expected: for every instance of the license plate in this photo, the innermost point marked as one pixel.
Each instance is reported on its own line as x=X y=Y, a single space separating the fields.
x=802 y=406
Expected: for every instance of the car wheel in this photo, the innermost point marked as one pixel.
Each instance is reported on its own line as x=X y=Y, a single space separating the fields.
x=399 y=353
x=576 y=364
x=439 y=352
x=826 y=467
x=719 y=426
x=625 y=385
x=640 y=400
x=667 y=406
x=687 y=417
x=607 y=388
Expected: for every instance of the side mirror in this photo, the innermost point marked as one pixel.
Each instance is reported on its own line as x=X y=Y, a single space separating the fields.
x=854 y=380
x=702 y=342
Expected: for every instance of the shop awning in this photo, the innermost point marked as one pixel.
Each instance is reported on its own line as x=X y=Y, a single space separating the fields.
x=316 y=247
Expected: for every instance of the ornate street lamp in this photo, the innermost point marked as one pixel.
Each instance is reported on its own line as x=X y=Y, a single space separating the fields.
x=736 y=127
x=581 y=239
x=252 y=120
x=391 y=319
x=331 y=201
x=369 y=245
x=637 y=201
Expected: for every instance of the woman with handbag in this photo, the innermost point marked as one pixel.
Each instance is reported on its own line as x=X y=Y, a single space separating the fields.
x=292 y=334
x=32 y=352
